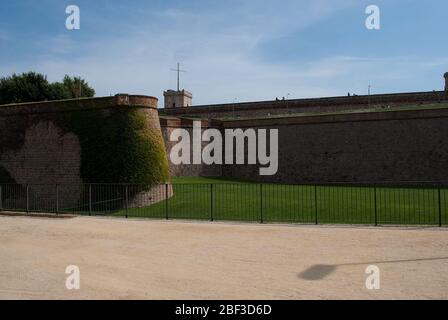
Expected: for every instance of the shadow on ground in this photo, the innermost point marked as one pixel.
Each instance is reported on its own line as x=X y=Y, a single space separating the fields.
x=320 y=271
x=317 y=272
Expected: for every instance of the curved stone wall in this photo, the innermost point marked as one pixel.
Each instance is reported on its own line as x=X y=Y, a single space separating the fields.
x=114 y=139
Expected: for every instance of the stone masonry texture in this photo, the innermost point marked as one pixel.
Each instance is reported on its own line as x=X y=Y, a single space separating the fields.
x=36 y=149
x=397 y=138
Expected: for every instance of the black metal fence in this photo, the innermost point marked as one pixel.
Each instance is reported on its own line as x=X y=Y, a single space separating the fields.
x=308 y=204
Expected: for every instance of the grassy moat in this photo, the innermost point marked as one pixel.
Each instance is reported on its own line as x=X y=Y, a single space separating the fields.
x=220 y=199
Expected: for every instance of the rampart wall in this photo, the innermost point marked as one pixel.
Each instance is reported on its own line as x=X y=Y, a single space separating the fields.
x=91 y=140
x=314 y=105
x=397 y=144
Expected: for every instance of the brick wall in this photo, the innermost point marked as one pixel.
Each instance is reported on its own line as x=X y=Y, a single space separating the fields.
x=35 y=149
x=393 y=146
x=377 y=146
x=191 y=170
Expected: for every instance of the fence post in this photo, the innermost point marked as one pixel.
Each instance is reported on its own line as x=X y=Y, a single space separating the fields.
x=261 y=203
x=27 y=198
x=440 y=207
x=166 y=201
x=1 y=198
x=90 y=199
x=211 y=201
x=57 y=199
x=315 y=205
x=376 y=209
x=126 y=198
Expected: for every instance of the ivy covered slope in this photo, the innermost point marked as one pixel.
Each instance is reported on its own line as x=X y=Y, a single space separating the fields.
x=119 y=145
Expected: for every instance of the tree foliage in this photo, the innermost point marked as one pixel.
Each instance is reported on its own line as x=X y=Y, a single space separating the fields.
x=77 y=87
x=33 y=87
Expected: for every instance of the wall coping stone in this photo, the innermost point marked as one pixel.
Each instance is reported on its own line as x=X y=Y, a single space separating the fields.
x=373 y=115
x=119 y=100
x=375 y=99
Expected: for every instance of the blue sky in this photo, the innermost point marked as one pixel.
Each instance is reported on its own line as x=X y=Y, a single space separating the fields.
x=232 y=50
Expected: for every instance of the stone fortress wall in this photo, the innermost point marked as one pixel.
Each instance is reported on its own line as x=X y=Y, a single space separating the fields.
x=195 y=170
x=313 y=105
x=50 y=143
x=398 y=137
x=381 y=146
x=382 y=138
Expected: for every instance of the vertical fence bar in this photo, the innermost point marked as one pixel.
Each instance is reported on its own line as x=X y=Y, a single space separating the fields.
x=166 y=201
x=126 y=199
x=375 y=205
x=57 y=199
x=261 y=203
x=211 y=202
x=27 y=198
x=440 y=206
x=315 y=206
x=90 y=199
x=1 y=198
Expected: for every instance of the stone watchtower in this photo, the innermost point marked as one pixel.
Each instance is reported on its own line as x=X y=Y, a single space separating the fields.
x=446 y=81
x=177 y=99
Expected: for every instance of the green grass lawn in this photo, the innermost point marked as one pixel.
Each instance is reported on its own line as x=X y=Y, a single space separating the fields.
x=220 y=199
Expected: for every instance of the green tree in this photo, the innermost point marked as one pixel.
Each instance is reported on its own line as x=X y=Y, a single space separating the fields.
x=78 y=87
x=58 y=91
x=27 y=87
x=32 y=87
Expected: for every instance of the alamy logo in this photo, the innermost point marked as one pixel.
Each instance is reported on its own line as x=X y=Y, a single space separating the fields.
x=73 y=281
x=373 y=21
x=373 y=278
x=234 y=148
x=73 y=21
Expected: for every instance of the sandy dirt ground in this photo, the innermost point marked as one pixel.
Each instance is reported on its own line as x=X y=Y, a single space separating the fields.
x=144 y=259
